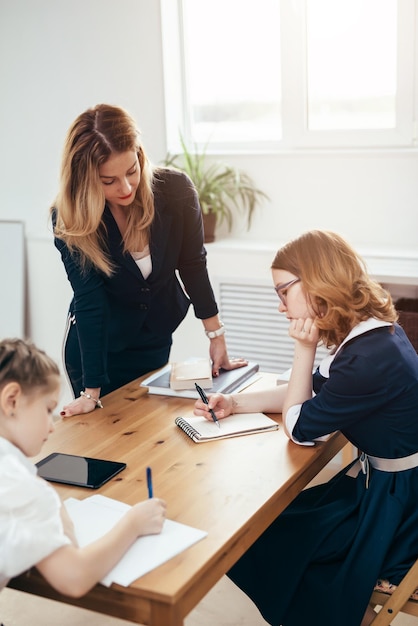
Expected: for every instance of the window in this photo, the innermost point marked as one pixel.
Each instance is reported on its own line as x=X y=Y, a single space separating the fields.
x=277 y=74
x=234 y=86
x=351 y=67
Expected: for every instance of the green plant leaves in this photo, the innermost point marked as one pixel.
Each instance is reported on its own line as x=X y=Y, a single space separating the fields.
x=220 y=187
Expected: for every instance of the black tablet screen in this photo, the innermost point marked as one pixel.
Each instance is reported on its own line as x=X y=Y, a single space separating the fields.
x=82 y=471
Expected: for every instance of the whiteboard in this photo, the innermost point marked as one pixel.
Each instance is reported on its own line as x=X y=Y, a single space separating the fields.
x=12 y=279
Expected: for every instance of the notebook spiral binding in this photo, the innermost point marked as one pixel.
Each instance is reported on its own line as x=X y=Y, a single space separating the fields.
x=189 y=430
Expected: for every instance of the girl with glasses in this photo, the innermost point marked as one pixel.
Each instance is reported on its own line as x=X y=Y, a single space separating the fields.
x=323 y=555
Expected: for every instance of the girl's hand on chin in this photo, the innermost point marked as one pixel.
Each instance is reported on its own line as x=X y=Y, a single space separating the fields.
x=304 y=331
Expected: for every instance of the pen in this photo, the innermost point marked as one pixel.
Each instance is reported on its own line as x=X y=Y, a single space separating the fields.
x=206 y=401
x=149 y=483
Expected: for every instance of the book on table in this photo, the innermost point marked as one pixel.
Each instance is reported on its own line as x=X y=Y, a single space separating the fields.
x=228 y=381
x=184 y=374
x=200 y=429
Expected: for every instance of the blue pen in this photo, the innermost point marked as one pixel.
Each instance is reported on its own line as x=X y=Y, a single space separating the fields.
x=206 y=401
x=149 y=483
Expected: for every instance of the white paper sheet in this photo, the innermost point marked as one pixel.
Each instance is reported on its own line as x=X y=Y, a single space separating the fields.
x=96 y=515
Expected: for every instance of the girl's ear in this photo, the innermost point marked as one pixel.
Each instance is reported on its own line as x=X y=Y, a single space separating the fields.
x=9 y=396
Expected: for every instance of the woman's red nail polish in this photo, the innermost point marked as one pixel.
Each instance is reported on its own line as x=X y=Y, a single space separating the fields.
x=62 y=413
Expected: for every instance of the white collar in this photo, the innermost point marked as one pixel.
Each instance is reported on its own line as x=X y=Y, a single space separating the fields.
x=359 y=329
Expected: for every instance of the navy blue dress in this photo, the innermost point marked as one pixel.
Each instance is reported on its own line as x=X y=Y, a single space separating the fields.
x=319 y=560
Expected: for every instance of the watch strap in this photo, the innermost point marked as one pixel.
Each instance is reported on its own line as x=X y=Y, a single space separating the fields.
x=211 y=334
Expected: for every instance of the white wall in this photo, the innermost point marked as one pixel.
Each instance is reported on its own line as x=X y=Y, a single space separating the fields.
x=367 y=196
x=59 y=57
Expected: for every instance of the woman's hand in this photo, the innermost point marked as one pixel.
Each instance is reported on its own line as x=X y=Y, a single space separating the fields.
x=82 y=404
x=220 y=359
x=219 y=402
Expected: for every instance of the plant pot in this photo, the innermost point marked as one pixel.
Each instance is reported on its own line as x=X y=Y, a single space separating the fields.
x=209 y=225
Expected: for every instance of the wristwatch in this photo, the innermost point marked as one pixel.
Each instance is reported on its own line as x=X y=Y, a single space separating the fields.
x=211 y=334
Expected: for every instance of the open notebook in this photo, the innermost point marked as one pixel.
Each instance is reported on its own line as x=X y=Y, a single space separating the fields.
x=200 y=429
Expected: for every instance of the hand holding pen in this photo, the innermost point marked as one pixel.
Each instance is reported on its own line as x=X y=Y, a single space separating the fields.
x=148 y=516
x=206 y=401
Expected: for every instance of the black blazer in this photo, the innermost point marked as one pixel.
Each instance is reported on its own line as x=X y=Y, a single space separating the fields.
x=124 y=311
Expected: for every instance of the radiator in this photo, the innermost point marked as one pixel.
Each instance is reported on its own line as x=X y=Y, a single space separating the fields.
x=255 y=329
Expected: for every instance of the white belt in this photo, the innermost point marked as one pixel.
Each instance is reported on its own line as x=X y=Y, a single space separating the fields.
x=394 y=465
x=383 y=465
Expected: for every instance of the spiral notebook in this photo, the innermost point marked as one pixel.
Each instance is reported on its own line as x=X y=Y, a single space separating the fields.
x=200 y=429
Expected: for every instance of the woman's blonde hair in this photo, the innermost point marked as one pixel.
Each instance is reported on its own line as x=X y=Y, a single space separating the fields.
x=22 y=362
x=336 y=283
x=95 y=135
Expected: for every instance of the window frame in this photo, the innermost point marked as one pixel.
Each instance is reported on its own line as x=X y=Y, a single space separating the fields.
x=295 y=133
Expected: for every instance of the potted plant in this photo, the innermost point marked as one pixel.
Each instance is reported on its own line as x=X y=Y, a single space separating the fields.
x=220 y=188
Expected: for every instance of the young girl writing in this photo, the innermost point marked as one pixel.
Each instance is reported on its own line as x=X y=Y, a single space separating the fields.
x=34 y=526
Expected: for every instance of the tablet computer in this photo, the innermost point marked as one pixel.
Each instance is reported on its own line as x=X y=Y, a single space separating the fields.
x=82 y=471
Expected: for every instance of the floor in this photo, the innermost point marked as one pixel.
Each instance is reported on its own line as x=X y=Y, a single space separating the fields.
x=224 y=605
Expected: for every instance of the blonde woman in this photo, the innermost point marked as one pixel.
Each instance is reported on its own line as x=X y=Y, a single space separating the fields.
x=124 y=230
x=320 y=559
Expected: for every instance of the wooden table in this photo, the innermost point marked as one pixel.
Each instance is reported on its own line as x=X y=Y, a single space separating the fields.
x=232 y=488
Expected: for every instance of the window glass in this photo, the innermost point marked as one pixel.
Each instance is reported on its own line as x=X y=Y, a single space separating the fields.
x=284 y=74
x=351 y=64
x=232 y=70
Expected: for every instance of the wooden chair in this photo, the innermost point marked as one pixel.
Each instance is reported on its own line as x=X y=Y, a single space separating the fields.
x=399 y=601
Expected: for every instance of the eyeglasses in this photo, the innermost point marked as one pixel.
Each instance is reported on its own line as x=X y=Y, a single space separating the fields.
x=285 y=286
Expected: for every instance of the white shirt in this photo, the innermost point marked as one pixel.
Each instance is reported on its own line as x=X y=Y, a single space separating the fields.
x=144 y=261
x=30 y=521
